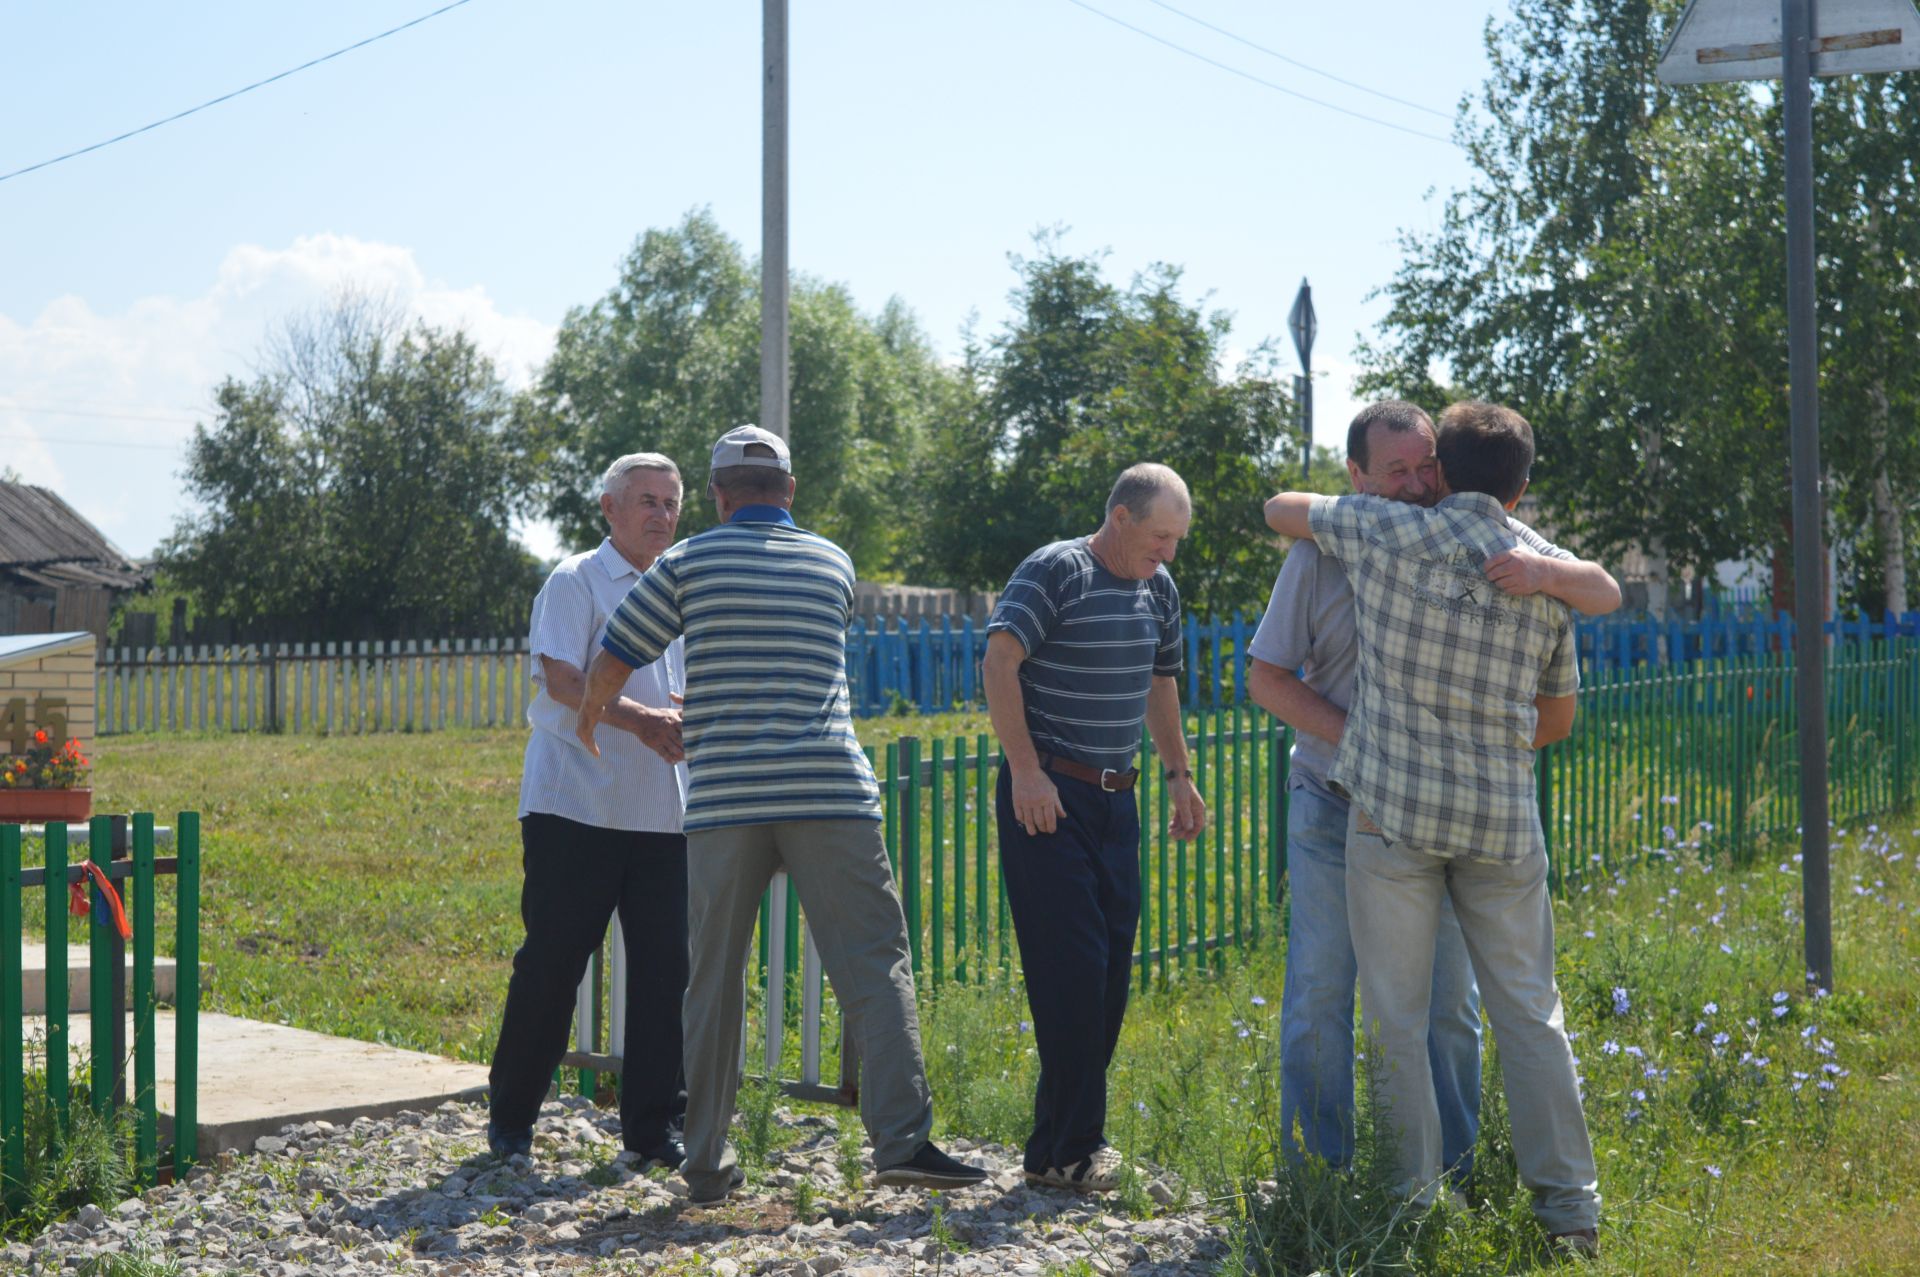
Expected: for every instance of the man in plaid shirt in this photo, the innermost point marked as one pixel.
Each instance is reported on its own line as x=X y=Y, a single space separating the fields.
x=1458 y=684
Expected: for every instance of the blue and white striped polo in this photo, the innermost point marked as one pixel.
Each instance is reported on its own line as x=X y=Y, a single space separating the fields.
x=764 y=606
x=1094 y=643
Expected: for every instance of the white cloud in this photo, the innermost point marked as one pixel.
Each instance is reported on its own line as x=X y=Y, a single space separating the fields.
x=99 y=405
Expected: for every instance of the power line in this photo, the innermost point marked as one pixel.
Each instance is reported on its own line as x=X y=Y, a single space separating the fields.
x=104 y=414
x=97 y=443
x=1247 y=75
x=228 y=97
x=1295 y=62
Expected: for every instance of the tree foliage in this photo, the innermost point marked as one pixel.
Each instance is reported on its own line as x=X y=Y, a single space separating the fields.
x=362 y=486
x=1615 y=269
x=668 y=361
x=1086 y=379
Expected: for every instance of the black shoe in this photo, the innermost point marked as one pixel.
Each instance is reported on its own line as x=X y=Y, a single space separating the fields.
x=929 y=1168
x=666 y=1151
x=509 y=1144
x=711 y=1197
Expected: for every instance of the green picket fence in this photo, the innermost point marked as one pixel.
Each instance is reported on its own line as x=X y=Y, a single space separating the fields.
x=136 y=878
x=1663 y=763
x=1704 y=760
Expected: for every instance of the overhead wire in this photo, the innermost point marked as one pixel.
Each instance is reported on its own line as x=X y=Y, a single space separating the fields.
x=228 y=97
x=1296 y=62
x=1248 y=75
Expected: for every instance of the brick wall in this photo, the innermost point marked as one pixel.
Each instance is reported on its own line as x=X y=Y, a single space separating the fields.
x=34 y=679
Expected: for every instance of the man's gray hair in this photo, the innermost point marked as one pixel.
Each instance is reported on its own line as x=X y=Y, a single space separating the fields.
x=1139 y=486
x=617 y=473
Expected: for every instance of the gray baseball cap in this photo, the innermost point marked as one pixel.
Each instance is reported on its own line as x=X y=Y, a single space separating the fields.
x=732 y=449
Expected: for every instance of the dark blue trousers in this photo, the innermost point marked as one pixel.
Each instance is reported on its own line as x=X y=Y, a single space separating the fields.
x=1075 y=899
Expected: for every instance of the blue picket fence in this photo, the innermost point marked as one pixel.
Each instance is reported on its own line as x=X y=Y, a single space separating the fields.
x=925 y=666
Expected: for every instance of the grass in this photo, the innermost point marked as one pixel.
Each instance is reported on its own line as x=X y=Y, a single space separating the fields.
x=369 y=887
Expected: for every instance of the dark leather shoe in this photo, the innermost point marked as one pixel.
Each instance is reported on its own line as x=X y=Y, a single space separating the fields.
x=714 y=1196
x=509 y=1144
x=929 y=1168
x=666 y=1151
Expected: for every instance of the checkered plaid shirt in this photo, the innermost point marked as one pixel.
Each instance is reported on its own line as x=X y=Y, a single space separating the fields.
x=1438 y=748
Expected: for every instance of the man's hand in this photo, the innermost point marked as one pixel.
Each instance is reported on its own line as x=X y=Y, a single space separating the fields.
x=1520 y=571
x=659 y=731
x=1036 y=803
x=585 y=721
x=1189 y=817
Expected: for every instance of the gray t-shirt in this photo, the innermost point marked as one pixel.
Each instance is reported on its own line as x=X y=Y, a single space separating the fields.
x=1308 y=628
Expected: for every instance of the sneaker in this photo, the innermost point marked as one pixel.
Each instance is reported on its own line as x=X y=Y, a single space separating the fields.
x=509 y=1144
x=929 y=1168
x=1581 y=1244
x=1098 y=1172
x=666 y=1151
x=714 y=1196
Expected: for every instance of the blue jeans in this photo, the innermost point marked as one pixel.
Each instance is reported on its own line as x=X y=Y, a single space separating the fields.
x=1316 y=1010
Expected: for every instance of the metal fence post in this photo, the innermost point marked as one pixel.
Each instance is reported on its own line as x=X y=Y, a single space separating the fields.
x=13 y=1094
x=186 y=1000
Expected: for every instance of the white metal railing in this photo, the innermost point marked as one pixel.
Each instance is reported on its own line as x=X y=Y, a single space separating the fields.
x=588 y=1052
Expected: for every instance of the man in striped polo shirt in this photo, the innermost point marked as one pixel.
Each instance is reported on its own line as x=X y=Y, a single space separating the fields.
x=776 y=779
x=1082 y=649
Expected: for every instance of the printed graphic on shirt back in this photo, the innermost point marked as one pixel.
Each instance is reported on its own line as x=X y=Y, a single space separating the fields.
x=1459 y=587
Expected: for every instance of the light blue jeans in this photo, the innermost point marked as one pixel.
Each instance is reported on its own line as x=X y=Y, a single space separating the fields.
x=1394 y=896
x=1316 y=1010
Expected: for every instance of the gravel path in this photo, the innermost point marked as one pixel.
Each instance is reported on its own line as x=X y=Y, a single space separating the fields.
x=418 y=1194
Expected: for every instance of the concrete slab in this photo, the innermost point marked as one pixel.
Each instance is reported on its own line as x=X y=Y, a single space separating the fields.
x=33 y=970
x=256 y=1078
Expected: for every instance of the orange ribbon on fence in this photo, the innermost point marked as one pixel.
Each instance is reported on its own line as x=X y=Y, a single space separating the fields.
x=80 y=906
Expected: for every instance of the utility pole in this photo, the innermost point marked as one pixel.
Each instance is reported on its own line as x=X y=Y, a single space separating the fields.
x=774 y=374
x=1809 y=519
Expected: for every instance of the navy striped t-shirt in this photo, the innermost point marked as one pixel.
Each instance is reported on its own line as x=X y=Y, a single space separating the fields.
x=1094 y=643
x=768 y=732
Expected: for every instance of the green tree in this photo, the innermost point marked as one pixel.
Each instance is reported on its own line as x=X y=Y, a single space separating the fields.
x=1086 y=379
x=364 y=486
x=1615 y=270
x=668 y=360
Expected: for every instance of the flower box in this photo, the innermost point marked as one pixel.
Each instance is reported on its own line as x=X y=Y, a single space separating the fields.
x=37 y=806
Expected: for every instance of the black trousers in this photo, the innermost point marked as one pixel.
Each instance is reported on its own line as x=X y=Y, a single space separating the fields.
x=1075 y=899
x=575 y=877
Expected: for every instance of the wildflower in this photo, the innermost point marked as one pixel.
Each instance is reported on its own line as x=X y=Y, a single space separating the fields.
x=1720 y=1039
x=1825 y=1085
x=1820 y=993
x=1699 y=1027
x=1780 y=1011
x=1726 y=948
x=1259 y=1001
x=1710 y=1008
x=1635 y=1052
x=1713 y=1170
x=1609 y=1047
x=1752 y=1023
x=1671 y=800
x=1242 y=1033
x=1638 y=1095
x=1780 y=996
x=1026 y=1026
x=1761 y=1062
x=1587 y=934
x=1140 y=1106
x=1633 y=1115
x=1621 y=1003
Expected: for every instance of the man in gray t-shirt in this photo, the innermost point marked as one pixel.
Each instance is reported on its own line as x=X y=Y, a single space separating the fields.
x=1302 y=671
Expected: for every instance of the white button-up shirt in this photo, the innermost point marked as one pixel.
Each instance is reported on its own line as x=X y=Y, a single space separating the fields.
x=628 y=786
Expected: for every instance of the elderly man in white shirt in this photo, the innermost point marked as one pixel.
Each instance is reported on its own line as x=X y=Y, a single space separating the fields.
x=602 y=834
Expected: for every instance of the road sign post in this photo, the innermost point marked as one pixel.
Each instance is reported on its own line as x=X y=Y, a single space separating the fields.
x=1304 y=325
x=773 y=218
x=1719 y=40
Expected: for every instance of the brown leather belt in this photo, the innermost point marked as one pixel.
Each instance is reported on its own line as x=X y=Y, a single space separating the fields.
x=1105 y=777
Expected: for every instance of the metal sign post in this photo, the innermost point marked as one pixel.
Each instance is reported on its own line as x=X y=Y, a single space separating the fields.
x=1752 y=40
x=1305 y=325
x=773 y=219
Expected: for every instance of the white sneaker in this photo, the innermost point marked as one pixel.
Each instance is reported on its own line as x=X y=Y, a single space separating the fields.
x=1097 y=1173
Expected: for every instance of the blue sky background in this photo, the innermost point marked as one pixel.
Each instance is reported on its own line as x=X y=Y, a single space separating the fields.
x=491 y=167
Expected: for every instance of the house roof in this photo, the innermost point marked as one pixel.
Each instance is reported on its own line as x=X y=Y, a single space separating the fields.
x=21 y=647
x=46 y=541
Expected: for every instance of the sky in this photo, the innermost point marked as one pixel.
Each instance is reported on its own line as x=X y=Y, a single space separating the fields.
x=490 y=168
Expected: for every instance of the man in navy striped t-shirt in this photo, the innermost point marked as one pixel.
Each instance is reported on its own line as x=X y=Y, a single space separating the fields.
x=776 y=779
x=1084 y=648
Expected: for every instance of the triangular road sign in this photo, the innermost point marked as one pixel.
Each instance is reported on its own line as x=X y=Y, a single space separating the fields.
x=1740 y=40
